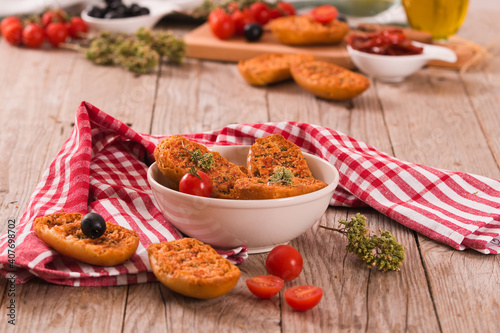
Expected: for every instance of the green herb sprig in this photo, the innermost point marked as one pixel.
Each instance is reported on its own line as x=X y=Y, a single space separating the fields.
x=282 y=176
x=382 y=251
x=139 y=53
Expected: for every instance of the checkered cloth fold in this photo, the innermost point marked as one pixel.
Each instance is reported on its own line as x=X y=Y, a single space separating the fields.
x=102 y=167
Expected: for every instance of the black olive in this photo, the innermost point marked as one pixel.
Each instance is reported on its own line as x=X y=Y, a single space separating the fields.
x=342 y=18
x=144 y=11
x=252 y=32
x=95 y=11
x=93 y=225
x=133 y=9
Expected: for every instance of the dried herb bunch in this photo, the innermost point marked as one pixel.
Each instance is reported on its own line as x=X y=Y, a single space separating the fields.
x=382 y=251
x=139 y=53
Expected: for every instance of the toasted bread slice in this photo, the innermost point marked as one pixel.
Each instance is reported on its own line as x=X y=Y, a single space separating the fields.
x=259 y=188
x=270 y=68
x=303 y=30
x=274 y=151
x=329 y=81
x=174 y=156
x=62 y=232
x=192 y=268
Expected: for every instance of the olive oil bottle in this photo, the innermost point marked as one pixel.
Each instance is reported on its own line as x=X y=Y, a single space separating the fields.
x=440 y=18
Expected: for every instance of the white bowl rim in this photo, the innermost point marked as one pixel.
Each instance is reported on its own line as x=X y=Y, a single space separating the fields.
x=411 y=57
x=263 y=203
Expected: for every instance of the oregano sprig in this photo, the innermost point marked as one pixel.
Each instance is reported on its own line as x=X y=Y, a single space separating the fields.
x=382 y=251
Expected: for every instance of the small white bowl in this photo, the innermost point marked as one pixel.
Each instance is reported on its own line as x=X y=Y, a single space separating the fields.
x=130 y=25
x=259 y=225
x=395 y=68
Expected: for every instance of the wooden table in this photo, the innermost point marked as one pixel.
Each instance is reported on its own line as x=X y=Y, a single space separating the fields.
x=437 y=117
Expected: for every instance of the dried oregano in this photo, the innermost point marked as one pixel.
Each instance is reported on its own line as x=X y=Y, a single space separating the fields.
x=382 y=251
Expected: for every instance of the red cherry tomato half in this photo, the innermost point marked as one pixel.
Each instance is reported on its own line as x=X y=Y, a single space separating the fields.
x=324 y=14
x=241 y=18
x=265 y=286
x=303 y=298
x=284 y=261
x=196 y=184
x=33 y=35
x=12 y=32
x=221 y=24
x=57 y=33
x=260 y=12
x=287 y=8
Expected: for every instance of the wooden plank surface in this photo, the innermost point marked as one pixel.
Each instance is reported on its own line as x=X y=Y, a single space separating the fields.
x=436 y=117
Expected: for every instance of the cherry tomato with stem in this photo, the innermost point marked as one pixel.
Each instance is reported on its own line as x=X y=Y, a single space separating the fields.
x=57 y=33
x=260 y=12
x=9 y=20
x=221 y=24
x=287 y=8
x=33 y=35
x=303 y=298
x=324 y=14
x=241 y=18
x=284 y=261
x=196 y=183
x=12 y=32
x=274 y=13
x=50 y=16
x=77 y=28
x=265 y=286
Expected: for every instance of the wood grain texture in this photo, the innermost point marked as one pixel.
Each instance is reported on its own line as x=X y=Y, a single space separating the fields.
x=436 y=117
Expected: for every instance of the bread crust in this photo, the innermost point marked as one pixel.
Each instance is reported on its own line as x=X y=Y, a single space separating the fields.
x=329 y=81
x=62 y=232
x=174 y=160
x=303 y=30
x=192 y=268
x=259 y=189
x=270 y=68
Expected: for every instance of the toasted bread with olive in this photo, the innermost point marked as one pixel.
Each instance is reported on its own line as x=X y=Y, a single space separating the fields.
x=329 y=81
x=303 y=30
x=176 y=155
x=192 y=268
x=270 y=68
x=62 y=231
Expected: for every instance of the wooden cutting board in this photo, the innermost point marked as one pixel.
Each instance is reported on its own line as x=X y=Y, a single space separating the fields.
x=202 y=44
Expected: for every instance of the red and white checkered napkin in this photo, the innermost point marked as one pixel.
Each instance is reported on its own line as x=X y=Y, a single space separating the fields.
x=102 y=167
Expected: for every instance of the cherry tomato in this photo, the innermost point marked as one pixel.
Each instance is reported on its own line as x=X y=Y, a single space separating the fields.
x=221 y=24
x=287 y=8
x=232 y=6
x=324 y=14
x=274 y=13
x=9 y=20
x=57 y=33
x=241 y=18
x=303 y=298
x=77 y=28
x=196 y=183
x=12 y=32
x=284 y=261
x=33 y=35
x=50 y=16
x=265 y=286
x=260 y=12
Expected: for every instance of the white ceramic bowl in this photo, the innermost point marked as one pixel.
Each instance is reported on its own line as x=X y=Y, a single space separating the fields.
x=257 y=224
x=396 y=68
x=130 y=25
